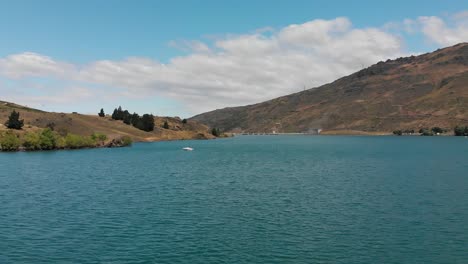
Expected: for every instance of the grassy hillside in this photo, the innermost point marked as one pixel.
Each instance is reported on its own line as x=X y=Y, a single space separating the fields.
x=406 y=93
x=88 y=124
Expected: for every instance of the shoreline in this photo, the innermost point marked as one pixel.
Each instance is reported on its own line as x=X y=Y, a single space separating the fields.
x=23 y=149
x=114 y=143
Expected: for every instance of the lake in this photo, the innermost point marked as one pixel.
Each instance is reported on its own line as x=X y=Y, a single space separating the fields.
x=248 y=199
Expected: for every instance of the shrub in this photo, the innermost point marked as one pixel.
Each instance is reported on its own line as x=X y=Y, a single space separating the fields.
x=61 y=143
x=437 y=130
x=73 y=141
x=98 y=137
x=9 y=141
x=184 y=121
x=126 y=141
x=461 y=131
x=47 y=139
x=32 y=141
x=407 y=131
x=120 y=142
x=426 y=132
x=397 y=132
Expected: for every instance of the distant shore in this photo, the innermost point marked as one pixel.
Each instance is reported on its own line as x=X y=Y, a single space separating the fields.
x=343 y=133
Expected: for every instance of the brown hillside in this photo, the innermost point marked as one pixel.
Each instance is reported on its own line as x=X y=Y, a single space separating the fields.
x=87 y=124
x=406 y=93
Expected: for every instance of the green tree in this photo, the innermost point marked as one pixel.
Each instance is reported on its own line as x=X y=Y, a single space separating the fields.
x=118 y=114
x=147 y=122
x=14 y=122
x=135 y=119
x=215 y=132
x=9 y=141
x=101 y=113
x=165 y=125
x=127 y=117
x=184 y=121
x=114 y=114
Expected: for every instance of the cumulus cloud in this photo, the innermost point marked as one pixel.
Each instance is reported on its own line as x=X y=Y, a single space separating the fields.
x=241 y=69
x=32 y=64
x=442 y=31
x=438 y=31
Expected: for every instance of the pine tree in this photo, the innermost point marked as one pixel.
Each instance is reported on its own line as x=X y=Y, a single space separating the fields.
x=135 y=119
x=14 y=122
x=127 y=117
x=165 y=125
x=147 y=122
x=215 y=132
x=120 y=113
x=101 y=113
x=115 y=114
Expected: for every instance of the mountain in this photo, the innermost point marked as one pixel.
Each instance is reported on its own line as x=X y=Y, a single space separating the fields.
x=86 y=125
x=407 y=93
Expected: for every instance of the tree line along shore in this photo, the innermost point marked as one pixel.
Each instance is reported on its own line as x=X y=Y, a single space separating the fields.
x=435 y=131
x=15 y=139
x=49 y=137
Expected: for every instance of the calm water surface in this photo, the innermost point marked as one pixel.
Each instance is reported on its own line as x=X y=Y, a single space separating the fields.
x=265 y=199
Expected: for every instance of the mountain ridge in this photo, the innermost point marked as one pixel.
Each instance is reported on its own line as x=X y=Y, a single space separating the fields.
x=406 y=93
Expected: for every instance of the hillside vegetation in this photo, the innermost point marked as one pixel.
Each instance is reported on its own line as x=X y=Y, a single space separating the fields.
x=407 y=93
x=87 y=125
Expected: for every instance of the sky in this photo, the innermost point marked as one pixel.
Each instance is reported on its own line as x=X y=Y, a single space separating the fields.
x=181 y=58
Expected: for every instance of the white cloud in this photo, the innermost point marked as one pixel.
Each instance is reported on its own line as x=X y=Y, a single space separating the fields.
x=443 y=31
x=32 y=64
x=243 y=69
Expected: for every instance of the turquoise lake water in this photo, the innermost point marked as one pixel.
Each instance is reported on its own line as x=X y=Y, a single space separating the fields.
x=249 y=199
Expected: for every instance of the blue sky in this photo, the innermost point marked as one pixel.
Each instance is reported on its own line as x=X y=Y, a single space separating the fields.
x=80 y=33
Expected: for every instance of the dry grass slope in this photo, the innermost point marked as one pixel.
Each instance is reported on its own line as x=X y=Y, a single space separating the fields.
x=87 y=124
x=407 y=93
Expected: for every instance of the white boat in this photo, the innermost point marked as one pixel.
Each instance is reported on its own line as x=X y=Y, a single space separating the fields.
x=187 y=149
